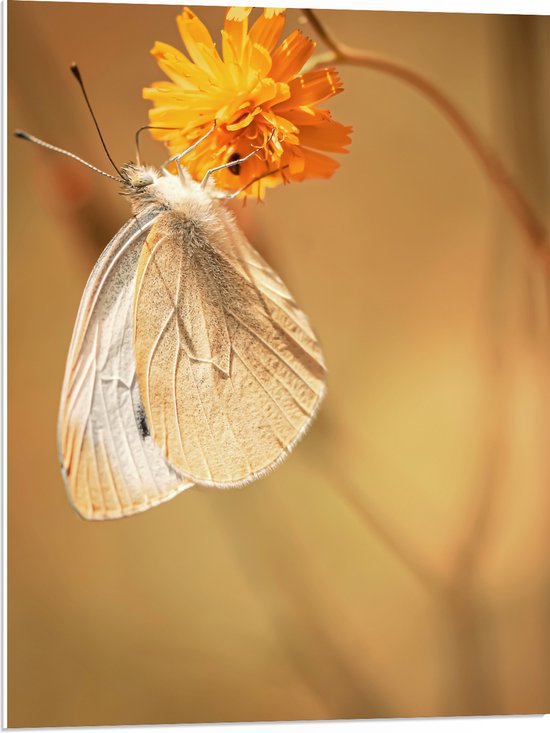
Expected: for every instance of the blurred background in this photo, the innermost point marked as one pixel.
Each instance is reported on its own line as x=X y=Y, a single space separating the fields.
x=397 y=564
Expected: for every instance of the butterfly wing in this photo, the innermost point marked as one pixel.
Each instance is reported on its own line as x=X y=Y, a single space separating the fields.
x=231 y=373
x=111 y=466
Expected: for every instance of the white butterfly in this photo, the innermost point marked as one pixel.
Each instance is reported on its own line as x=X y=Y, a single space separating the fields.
x=190 y=362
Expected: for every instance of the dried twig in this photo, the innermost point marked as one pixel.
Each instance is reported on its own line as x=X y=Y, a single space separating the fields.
x=339 y=53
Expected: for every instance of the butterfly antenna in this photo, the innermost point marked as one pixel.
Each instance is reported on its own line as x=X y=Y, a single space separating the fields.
x=33 y=139
x=76 y=73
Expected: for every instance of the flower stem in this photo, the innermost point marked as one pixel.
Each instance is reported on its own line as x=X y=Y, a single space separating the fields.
x=533 y=228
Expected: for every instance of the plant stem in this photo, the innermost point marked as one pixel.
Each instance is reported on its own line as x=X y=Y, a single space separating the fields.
x=533 y=228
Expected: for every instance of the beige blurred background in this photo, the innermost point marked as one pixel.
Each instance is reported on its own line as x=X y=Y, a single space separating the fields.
x=397 y=564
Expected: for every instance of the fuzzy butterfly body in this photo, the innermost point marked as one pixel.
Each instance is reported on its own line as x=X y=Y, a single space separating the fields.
x=190 y=361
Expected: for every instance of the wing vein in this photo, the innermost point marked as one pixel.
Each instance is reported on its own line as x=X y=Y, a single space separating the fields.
x=273 y=351
x=175 y=400
x=114 y=488
x=271 y=397
x=208 y=467
x=114 y=444
x=229 y=423
x=152 y=354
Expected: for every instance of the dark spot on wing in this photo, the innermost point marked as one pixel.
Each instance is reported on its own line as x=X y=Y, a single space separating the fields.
x=141 y=422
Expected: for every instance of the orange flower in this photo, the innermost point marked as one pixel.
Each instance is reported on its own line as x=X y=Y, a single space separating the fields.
x=255 y=90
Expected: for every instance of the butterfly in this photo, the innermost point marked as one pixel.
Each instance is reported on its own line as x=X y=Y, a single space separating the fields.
x=190 y=362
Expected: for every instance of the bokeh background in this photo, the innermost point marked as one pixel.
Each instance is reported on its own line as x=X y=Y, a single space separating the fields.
x=397 y=564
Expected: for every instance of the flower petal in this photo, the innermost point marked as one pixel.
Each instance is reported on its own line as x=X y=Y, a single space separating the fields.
x=304 y=115
x=244 y=121
x=235 y=35
x=260 y=60
x=161 y=88
x=267 y=30
x=282 y=125
x=199 y=43
x=331 y=136
x=312 y=88
x=238 y=14
x=266 y=91
x=291 y=55
x=310 y=164
x=178 y=67
x=173 y=116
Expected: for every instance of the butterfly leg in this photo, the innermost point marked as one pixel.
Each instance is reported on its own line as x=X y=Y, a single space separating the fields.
x=179 y=156
x=236 y=162
x=234 y=194
x=147 y=127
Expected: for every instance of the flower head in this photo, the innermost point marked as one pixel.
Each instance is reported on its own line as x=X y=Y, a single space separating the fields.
x=255 y=94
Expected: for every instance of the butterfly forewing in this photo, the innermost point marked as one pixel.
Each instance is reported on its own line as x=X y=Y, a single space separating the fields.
x=229 y=369
x=111 y=465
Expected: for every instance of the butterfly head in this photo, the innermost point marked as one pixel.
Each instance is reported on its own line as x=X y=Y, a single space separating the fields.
x=138 y=182
x=136 y=178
